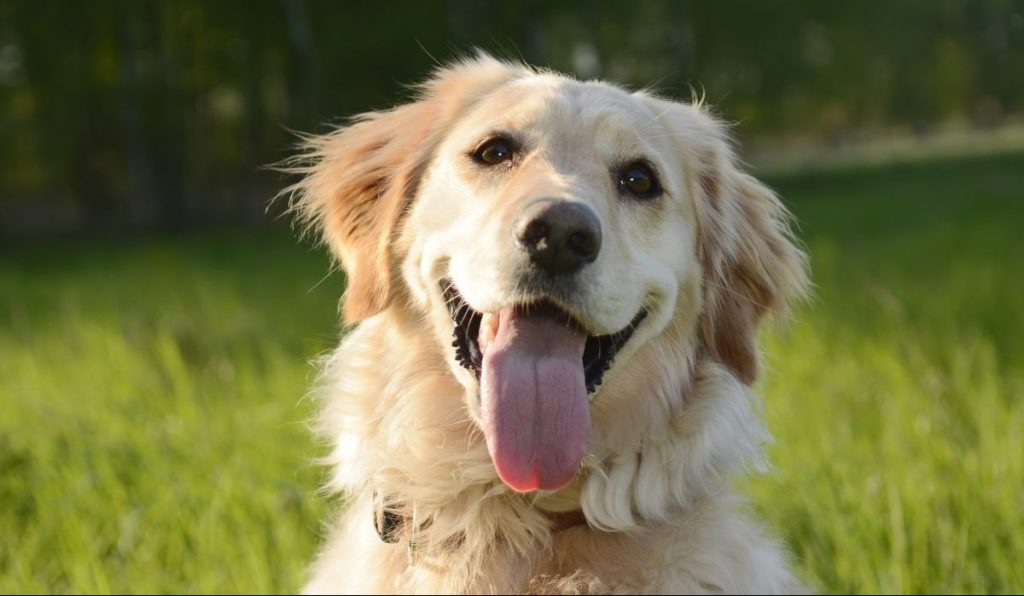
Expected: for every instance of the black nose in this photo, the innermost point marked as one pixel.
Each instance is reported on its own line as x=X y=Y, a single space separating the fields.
x=560 y=237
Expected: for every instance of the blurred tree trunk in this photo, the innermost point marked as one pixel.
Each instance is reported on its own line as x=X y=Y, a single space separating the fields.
x=88 y=182
x=80 y=114
x=304 y=101
x=167 y=126
x=248 y=203
x=141 y=200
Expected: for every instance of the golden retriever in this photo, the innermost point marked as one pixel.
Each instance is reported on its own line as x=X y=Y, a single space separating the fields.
x=556 y=288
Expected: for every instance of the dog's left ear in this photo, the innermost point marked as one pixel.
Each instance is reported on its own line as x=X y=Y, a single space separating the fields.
x=752 y=264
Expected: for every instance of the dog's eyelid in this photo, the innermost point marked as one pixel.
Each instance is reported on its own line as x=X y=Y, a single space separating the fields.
x=498 y=134
x=637 y=159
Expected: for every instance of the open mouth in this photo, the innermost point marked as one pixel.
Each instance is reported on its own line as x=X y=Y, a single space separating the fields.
x=536 y=365
x=598 y=354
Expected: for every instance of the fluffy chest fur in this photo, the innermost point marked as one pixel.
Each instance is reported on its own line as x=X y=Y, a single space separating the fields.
x=661 y=517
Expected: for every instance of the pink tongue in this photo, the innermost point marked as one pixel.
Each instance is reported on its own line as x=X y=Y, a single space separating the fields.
x=536 y=415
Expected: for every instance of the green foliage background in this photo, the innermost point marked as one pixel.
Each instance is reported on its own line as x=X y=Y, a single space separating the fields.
x=159 y=114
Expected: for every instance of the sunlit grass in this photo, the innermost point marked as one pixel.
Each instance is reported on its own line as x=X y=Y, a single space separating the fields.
x=152 y=426
x=152 y=432
x=895 y=396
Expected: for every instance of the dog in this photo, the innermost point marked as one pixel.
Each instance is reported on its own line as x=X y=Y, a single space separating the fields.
x=554 y=289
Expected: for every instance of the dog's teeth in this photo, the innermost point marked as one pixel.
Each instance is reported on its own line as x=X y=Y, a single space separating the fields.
x=488 y=330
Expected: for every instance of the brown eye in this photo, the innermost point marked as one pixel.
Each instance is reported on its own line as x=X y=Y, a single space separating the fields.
x=638 y=179
x=493 y=152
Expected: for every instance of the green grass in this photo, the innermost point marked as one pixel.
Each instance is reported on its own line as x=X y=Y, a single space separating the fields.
x=895 y=397
x=152 y=426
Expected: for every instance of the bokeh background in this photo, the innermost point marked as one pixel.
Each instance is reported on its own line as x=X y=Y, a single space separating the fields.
x=158 y=315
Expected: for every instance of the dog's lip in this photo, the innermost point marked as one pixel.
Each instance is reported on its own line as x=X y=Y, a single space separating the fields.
x=540 y=303
x=598 y=356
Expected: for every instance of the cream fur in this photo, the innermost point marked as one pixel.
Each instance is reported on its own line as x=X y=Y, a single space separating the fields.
x=675 y=418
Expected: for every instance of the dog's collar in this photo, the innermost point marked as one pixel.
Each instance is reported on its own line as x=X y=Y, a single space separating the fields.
x=395 y=522
x=565 y=520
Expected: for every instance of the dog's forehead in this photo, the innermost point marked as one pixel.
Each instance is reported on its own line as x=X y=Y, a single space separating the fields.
x=578 y=114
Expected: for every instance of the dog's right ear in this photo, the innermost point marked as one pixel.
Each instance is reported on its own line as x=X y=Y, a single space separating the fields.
x=358 y=180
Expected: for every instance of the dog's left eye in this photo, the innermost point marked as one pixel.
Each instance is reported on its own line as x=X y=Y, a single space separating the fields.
x=495 y=151
x=638 y=179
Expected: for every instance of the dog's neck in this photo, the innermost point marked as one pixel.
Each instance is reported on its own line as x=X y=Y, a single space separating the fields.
x=396 y=521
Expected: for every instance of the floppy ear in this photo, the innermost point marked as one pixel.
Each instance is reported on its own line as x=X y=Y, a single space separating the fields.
x=752 y=265
x=359 y=179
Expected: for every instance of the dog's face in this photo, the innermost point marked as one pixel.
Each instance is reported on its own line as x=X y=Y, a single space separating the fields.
x=549 y=231
x=551 y=190
x=553 y=231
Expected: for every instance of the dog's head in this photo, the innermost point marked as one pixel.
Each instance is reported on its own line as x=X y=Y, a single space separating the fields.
x=552 y=234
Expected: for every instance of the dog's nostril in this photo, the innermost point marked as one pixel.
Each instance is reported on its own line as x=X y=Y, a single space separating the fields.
x=584 y=244
x=533 y=234
x=560 y=237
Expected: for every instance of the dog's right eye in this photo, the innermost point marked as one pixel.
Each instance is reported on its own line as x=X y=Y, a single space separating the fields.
x=494 y=152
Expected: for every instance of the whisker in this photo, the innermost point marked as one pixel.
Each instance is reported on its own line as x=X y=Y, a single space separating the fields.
x=332 y=268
